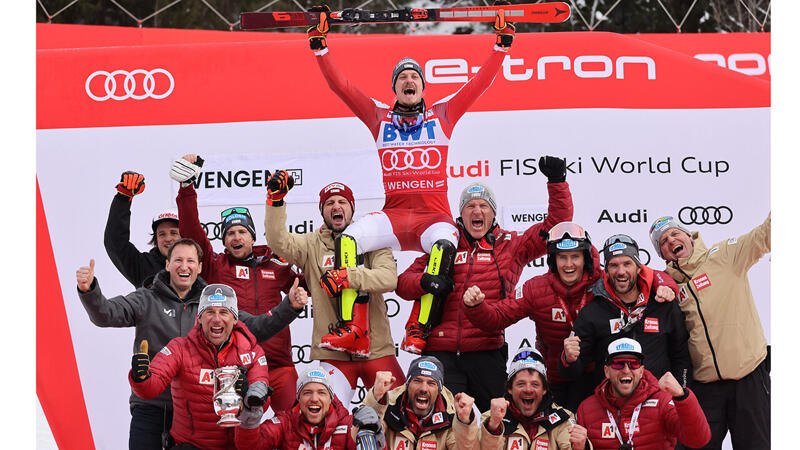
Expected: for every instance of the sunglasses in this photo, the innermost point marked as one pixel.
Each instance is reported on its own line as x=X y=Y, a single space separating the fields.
x=527 y=354
x=235 y=209
x=619 y=364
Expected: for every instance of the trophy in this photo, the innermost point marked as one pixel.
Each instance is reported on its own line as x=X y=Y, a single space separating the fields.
x=226 y=401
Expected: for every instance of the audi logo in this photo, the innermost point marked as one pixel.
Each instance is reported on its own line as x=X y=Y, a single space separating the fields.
x=361 y=394
x=301 y=354
x=129 y=85
x=213 y=230
x=394 y=310
x=705 y=215
x=415 y=158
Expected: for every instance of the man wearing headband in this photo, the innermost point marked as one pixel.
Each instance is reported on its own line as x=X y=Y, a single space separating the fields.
x=625 y=305
x=256 y=273
x=357 y=341
x=423 y=414
x=137 y=267
x=631 y=408
x=526 y=416
x=413 y=140
x=729 y=350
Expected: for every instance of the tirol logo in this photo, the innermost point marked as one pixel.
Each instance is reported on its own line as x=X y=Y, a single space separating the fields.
x=617 y=246
x=316 y=373
x=427 y=365
x=658 y=224
x=217 y=297
x=624 y=347
x=475 y=189
x=567 y=244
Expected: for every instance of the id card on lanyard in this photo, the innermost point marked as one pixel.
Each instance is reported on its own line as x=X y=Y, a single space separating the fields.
x=632 y=428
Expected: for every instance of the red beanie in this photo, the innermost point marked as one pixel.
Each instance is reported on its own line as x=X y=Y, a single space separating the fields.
x=336 y=188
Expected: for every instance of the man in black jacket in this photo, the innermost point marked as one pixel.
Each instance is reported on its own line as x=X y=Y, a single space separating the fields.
x=625 y=305
x=165 y=310
x=137 y=267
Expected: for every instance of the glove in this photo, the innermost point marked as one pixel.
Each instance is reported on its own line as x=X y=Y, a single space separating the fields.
x=241 y=385
x=317 y=35
x=366 y=418
x=257 y=394
x=185 y=172
x=334 y=281
x=278 y=186
x=504 y=30
x=130 y=184
x=437 y=285
x=555 y=169
x=250 y=418
x=140 y=367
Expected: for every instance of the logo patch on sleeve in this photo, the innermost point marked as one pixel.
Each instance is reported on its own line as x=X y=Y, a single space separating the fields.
x=267 y=274
x=651 y=325
x=616 y=325
x=540 y=444
x=712 y=251
x=518 y=292
x=461 y=258
x=701 y=282
x=242 y=272
x=558 y=315
x=245 y=357
x=327 y=261
x=165 y=351
x=607 y=431
x=733 y=241
x=683 y=295
x=262 y=360
x=206 y=376
x=651 y=402
x=341 y=429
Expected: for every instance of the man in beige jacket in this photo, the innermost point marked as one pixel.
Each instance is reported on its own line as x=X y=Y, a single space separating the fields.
x=313 y=253
x=423 y=414
x=727 y=345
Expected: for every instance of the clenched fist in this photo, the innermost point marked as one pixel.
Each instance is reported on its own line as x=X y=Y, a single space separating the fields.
x=384 y=381
x=577 y=437
x=497 y=410
x=664 y=294
x=670 y=385
x=572 y=348
x=464 y=407
x=473 y=296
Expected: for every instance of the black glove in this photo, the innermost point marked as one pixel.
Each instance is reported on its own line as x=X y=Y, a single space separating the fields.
x=140 y=367
x=437 y=285
x=504 y=30
x=317 y=35
x=278 y=186
x=555 y=169
x=257 y=394
x=242 y=385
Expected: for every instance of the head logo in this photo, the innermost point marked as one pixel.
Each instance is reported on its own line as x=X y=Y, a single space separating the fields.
x=316 y=374
x=427 y=365
x=660 y=223
x=617 y=246
x=567 y=244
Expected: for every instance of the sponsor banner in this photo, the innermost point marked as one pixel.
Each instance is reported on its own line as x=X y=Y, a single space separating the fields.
x=521 y=217
x=241 y=179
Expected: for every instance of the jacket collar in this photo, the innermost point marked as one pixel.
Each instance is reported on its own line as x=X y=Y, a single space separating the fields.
x=161 y=285
x=691 y=263
x=648 y=386
x=441 y=417
x=336 y=412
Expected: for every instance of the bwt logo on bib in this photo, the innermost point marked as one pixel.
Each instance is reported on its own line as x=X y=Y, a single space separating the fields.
x=390 y=133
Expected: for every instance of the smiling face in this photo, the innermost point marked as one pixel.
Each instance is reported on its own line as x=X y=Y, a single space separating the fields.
x=569 y=266
x=408 y=87
x=183 y=266
x=166 y=233
x=238 y=241
x=337 y=213
x=623 y=274
x=314 y=401
x=624 y=381
x=675 y=244
x=217 y=324
x=527 y=390
x=422 y=394
x=478 y=217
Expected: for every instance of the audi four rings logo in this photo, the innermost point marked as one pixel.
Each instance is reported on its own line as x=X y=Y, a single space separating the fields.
x=705 y=215
x=394 y=309
x=213 y=230
x=361 y=394
x=130 y=83
x=301 y=354
x=415 y=158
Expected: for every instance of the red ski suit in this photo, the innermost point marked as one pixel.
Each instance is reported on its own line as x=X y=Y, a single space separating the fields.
x=662 y=419
x=189 y=363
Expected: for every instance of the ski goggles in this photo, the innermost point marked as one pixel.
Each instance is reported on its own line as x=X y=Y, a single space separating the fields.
x=407 y=122
x=612 y=242
x=566 y=235
x=619 y=363
x=235 y=209
x=528 y=354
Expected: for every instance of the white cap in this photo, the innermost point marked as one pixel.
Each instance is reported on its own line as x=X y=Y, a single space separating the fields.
x=626 y=346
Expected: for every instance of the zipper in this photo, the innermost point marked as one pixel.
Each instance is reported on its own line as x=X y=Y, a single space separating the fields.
x=702 y=319
x=255 y=282
x=461 y=303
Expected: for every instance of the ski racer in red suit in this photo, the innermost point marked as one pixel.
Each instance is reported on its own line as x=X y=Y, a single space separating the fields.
x=632 y=409
x=412 y=140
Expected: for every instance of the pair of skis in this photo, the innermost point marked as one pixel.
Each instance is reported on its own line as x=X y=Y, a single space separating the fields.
x=550 y=12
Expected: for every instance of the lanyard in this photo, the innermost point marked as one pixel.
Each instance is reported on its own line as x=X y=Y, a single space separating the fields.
x=563 y=305
x=631 y=429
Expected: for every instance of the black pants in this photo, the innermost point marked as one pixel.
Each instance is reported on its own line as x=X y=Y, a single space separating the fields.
x=570 y=394
x=741 y=406
x=481 y=374
x=147 y=424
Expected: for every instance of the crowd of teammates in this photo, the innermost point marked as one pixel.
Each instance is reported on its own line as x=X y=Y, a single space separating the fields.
x=584 y=385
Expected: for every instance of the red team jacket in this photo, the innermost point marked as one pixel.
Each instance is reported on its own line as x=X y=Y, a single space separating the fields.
x=289 y=431
x=662 y=419
x=189 y=363
x=258 y=284
x=475 y=265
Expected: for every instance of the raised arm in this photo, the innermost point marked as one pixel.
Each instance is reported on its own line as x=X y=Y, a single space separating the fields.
x=189 y=224
x=752 y=246
x=130 y=262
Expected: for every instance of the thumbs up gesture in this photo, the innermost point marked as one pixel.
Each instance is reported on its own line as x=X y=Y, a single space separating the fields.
x=140 y=363
x=84 y=276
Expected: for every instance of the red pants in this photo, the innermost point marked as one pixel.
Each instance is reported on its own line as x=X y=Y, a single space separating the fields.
x=284 y=381
x=366 y=370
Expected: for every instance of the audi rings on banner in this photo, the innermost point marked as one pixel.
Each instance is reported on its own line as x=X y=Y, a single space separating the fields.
x=414 y=158
x=301 y=354
x=213 y=230
x=150 y=90
x=705 y=215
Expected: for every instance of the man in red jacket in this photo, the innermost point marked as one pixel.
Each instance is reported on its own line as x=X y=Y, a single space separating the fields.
x=632 y=409
x=256 y=273
x=217 y=340
x=488 y=264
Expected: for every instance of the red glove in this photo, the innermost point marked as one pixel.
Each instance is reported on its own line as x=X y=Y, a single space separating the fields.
x=317 y=35
x=334 y=281
x=504 y=30
x=278 y=186
x=130 y=184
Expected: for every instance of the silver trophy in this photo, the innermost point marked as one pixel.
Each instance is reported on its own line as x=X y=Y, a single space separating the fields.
x=226 y=401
